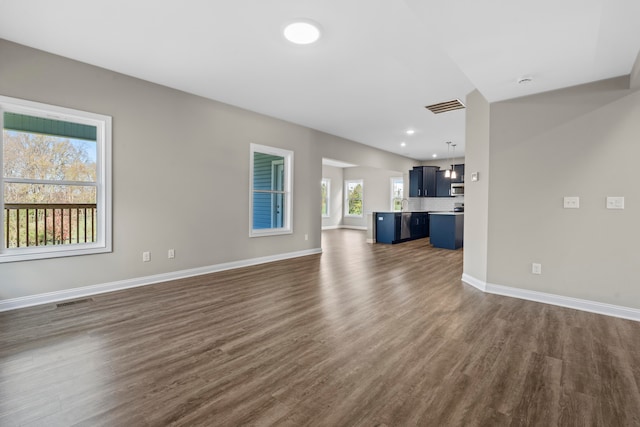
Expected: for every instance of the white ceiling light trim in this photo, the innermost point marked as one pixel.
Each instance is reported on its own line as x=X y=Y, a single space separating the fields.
x=302 y=31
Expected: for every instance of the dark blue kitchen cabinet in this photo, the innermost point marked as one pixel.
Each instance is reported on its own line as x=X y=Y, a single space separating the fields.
x=446 y=230
x=459 y=173
x=443 y=185
x=397 y=227
x=415 y=183
x=388 y=227
x=422 y=181
x=419 y=225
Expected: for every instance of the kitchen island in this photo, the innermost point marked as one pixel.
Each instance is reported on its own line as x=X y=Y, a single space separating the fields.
x=446 y=229
x=398 y=227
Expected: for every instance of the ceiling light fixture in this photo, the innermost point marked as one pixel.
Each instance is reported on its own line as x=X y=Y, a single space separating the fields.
x=403 y=144
x=411 y=132
x=447 y=172
x=434 y=155
x=453 y=171
x=302 y=32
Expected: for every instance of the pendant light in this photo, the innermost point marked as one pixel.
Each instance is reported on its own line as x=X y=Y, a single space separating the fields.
x=447 y=173
x=453 y=171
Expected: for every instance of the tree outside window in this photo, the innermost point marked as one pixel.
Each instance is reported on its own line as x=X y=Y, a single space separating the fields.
x=325 y=190
x=397 y=193
x=354 y=198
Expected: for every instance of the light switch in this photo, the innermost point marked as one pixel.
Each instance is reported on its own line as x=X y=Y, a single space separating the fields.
x=536 y=268
x=571 y=202
x=615 y=202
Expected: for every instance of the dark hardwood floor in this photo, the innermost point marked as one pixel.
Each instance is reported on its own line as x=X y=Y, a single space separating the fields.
x=362 y=335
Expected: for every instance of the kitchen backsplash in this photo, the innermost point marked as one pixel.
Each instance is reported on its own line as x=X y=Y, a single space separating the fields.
x=433 y=203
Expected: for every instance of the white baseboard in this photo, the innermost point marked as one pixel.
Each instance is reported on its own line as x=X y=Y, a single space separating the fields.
x=51 y=297
x=559 y=300
x=350 y=227
x=478 y=284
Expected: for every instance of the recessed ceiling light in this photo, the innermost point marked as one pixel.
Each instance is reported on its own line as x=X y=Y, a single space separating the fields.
x=302 y=32
x=434 y=155
x=403 y=144
x=411 y=132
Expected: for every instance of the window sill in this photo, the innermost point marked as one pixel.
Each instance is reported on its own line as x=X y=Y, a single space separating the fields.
x=15 y=255
x=270 y=232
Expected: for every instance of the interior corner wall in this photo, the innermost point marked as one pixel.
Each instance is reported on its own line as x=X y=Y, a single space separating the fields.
x=634 y=77
x=476 y=195
x=336 y=177
x=580 y=141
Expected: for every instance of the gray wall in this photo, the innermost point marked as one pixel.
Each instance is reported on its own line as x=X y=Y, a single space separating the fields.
x=336 y=176
x=635 y=74
x=476 y=194
x=580 y=141
x=181 y=174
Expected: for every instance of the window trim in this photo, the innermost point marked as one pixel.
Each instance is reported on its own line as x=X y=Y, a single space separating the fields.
x=287 y=228
x=103 y=182
x=327 y=182
x=392 y=181
x=346 y=198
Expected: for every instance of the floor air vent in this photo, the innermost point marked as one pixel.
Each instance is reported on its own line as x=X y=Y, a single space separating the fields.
x=74 y=302
x=443 y=107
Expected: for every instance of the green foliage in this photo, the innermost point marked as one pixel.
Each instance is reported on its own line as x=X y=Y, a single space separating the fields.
x=325 y=202
x=42 y=159
x=355 y=200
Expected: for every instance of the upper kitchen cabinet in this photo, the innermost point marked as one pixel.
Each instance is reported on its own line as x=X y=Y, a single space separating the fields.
x=459 y=169
x=443 y=184
x=422 y=181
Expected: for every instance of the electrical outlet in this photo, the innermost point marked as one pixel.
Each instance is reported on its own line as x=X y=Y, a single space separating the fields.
x=146 y=256
x=306 y=237
x=615 y=202
x=171 y=254
x=536 y=268
x=572 y=202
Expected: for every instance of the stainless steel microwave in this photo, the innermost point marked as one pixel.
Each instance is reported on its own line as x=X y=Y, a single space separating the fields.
x=457 y=189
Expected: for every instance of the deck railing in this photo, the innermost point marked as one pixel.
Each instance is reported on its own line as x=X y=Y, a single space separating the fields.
x=41 y=224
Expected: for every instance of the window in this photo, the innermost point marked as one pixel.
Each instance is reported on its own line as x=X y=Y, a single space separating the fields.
x=270 y=202
x=56 y=176
x=353 y=198
x=397 y=193
x=326 y=193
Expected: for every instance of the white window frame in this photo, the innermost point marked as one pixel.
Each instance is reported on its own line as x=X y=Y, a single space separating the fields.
x=393 y=197
x=327 y=183
x=287 y=227
x=102 y=184
x=346 y=197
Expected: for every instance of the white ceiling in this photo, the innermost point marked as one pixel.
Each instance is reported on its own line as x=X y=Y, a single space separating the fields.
x=378 y=63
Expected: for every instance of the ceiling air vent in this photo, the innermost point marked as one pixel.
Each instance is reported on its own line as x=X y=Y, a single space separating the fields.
x=443 y=107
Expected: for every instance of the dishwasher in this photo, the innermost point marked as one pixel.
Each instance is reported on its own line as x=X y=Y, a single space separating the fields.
x=405 y=225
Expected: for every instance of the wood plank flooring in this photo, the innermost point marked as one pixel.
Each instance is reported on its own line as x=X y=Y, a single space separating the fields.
x=362 y=335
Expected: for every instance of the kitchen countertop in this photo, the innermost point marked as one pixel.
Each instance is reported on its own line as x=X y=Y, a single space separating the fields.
x=446 y=213
x=397 y=212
